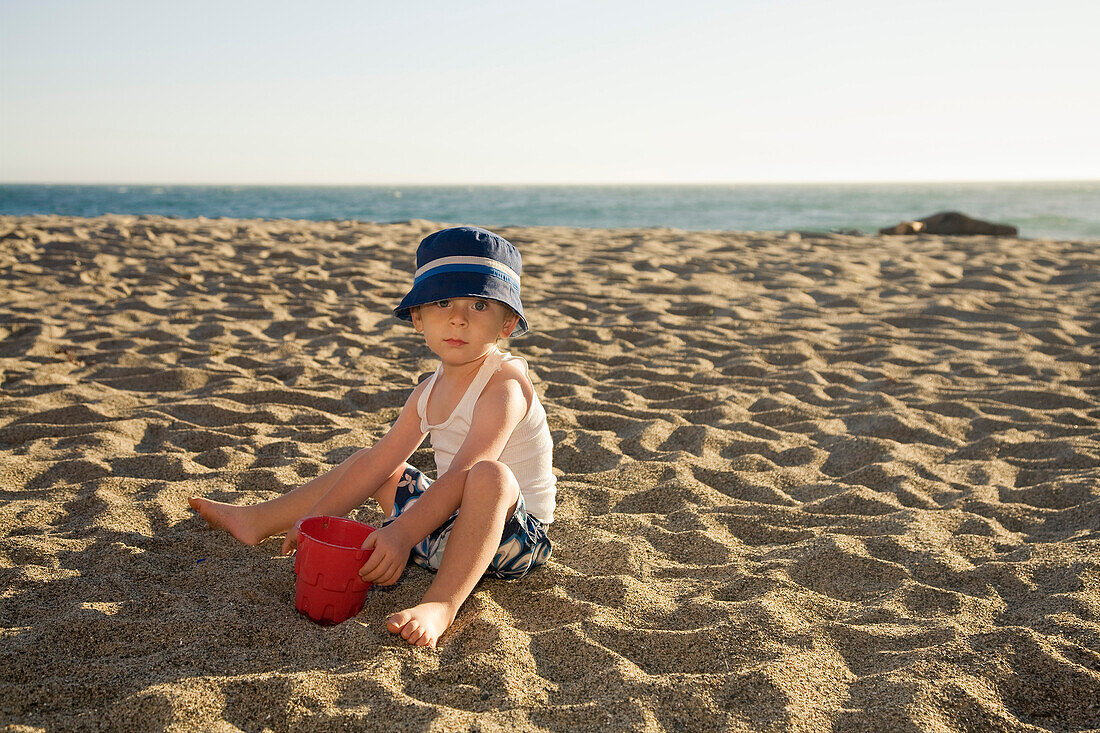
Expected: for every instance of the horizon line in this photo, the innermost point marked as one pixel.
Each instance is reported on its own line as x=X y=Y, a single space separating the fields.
x=423 y=184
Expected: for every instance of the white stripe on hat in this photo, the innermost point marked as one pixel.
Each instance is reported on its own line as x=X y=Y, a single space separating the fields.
x=459 y=260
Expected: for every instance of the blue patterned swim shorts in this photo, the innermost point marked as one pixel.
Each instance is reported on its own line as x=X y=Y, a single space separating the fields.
x=524 y=545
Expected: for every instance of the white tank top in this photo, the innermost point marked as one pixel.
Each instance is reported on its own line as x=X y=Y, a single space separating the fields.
x=528 y=452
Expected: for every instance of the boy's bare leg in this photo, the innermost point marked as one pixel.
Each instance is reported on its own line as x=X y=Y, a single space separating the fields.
x=253 y=523
x=488 y=500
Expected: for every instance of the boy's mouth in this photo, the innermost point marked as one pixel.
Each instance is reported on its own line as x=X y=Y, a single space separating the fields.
x=454 y=342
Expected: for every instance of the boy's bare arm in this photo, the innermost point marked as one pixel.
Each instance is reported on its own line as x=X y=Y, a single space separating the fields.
x=375 y=464
x=498 y=411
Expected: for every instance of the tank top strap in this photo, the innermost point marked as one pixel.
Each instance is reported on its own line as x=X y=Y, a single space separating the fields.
x=422 y=403
x=491 y=366
x=465 y=408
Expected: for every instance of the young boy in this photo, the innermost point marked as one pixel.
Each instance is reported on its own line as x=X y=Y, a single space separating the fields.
x=487 y=511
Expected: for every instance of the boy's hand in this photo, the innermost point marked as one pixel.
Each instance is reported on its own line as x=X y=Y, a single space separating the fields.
x=290 y=542
x=389 y=557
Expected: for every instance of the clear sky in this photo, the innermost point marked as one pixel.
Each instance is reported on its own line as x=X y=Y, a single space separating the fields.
x=548 y=92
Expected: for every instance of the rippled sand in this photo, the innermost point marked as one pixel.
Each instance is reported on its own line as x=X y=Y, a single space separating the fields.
x=805 y=482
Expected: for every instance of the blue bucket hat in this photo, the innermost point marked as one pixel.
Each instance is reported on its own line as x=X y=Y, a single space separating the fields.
x=466 y=262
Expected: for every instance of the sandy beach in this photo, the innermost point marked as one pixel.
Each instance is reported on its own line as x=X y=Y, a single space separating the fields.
x=806 y=482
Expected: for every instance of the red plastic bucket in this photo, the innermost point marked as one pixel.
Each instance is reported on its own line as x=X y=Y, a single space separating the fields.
x=327 y=561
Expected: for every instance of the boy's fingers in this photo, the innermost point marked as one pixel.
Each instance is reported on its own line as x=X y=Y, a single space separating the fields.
x=389 y=575
x=393 y=575
x=372 y=568
x=367 y=570
x=377 y=554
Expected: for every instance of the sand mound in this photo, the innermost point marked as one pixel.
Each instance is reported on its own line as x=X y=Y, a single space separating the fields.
x=807 y=482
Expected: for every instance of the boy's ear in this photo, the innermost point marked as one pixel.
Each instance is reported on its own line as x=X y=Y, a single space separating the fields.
x=418 y=323
x=510 y=324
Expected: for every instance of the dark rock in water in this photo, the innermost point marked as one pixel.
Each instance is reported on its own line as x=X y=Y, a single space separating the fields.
x=950 y=222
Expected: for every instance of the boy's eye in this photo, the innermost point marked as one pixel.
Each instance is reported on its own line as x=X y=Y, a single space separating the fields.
x=481 y=305
x=442 y=303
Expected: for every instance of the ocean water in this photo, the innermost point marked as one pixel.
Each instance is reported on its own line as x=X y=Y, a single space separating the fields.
x=1069 y=210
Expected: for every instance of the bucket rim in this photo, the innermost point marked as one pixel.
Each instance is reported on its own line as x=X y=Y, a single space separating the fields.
x=342 y=520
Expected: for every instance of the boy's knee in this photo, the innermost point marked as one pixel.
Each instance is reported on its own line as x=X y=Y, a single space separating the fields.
x=492 y=481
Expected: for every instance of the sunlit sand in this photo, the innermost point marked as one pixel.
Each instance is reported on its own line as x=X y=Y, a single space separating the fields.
x=805 y=481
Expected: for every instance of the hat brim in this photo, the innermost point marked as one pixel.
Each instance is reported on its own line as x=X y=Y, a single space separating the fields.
x=462 y=285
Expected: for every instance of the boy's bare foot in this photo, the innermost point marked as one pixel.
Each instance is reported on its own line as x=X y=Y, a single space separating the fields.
x=422 y=625
x=234 y=519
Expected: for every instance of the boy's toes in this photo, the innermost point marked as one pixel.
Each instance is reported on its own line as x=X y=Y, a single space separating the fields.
x=423 y=624
x=396 y=622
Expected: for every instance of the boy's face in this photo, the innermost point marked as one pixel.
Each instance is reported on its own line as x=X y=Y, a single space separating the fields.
x=461 y=325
